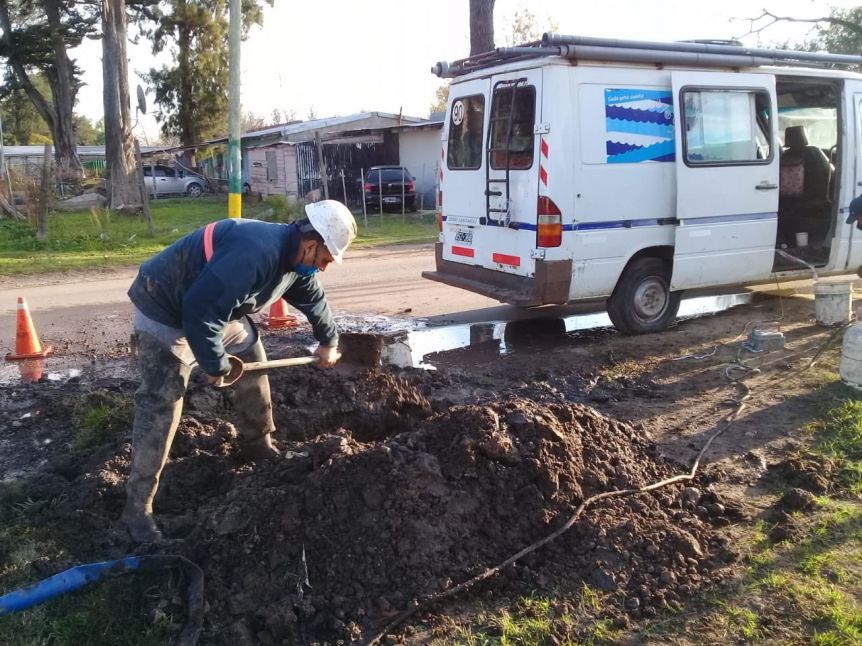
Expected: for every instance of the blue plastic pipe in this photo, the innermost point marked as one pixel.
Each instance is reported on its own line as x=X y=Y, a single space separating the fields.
x=67 y=581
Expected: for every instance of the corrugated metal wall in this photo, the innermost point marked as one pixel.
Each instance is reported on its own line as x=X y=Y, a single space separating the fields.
x=351 y=158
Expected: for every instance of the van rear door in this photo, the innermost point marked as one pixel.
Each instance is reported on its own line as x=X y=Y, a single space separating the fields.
x=490 y=205
x=727 y=177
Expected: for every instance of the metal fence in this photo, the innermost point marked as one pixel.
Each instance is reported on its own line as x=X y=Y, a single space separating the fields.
x=344 y=166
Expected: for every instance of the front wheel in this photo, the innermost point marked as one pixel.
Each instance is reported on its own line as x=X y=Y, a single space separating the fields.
x=642 y=300
x=194 y=190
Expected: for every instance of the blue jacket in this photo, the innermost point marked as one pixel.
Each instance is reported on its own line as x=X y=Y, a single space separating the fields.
x=251 y=267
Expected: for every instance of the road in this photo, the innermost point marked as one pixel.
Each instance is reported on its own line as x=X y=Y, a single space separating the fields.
x=88 y=311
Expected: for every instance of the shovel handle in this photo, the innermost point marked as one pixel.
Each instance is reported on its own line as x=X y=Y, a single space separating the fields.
x=279 y=363
x=253 y=366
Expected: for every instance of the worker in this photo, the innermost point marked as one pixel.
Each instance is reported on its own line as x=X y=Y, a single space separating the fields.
x=191 y=306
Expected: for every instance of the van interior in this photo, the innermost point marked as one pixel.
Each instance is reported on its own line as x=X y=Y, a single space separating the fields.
x=808 y=171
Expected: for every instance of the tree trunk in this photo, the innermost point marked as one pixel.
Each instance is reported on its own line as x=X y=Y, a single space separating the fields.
x=185 y=115
x=481 y=26
x=63 y=89
x=124 y=190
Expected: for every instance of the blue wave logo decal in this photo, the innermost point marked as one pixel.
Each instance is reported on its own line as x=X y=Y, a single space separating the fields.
x=639 y=125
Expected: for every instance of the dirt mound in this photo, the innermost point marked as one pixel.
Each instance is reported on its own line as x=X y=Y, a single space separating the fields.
x=380 y=501
x=330 y=543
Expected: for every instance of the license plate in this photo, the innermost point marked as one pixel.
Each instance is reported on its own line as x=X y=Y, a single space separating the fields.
x=464 y=236
x=391 y=200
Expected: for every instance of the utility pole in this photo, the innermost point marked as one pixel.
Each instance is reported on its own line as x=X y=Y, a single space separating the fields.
x=234 y=154
x=2 y=156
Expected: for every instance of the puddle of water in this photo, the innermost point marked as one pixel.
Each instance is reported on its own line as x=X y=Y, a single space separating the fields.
x=410 y=348
x=57 y=370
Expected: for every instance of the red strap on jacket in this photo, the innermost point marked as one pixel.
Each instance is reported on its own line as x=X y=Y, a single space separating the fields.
x=208 y=240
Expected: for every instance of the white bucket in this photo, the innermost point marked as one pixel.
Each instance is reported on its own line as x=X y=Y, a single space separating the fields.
x=802 y=239
x=850 y=368
x=832 y=302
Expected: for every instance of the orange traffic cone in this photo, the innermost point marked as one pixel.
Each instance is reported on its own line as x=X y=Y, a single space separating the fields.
x=278 y=318
x=27 y=344
x=31 y=370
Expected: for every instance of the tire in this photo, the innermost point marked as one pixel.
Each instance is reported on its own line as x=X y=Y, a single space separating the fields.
x=246 y=188
x=194 y=190
x=642 y=301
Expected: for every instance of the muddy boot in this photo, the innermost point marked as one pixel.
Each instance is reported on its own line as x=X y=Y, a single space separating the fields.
x=259 y=449
x=254 y=410
x=140 y=523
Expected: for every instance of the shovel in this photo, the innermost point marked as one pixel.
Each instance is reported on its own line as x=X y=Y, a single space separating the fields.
x=362 y=349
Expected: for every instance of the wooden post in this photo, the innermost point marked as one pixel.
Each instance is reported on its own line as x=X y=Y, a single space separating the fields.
x=364 y=209
x=44 y=196
x=343 y=187
x=403 y=206
x=321 y=165
x=145 y=200
x=380 y=190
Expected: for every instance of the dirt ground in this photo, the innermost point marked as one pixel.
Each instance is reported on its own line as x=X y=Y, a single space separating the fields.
x=401 y=483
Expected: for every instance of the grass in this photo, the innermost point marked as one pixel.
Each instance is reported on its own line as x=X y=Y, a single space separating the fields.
x=110 y=612
x=101 y=239
x=101 y=417
x=838 y=436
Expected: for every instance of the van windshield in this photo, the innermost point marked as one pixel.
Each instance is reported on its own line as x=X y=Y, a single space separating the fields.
x=466 y=125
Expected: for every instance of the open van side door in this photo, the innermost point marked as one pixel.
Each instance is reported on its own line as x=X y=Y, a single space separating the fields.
x=727 y=152
x=850 y=235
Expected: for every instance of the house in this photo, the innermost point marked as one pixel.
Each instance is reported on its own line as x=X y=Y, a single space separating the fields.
x=283 y=159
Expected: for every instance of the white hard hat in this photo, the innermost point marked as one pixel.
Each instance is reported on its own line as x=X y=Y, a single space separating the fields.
x=335 y=224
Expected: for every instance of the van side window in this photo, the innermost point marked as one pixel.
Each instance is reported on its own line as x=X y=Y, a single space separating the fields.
x=466 y=125
x=726 y=127
x=523 y=116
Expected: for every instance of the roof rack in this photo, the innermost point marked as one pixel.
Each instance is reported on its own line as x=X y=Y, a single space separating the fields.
x=704 y=53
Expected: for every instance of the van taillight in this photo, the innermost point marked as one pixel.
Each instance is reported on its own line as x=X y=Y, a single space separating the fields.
x=439 y=211
x=549 y=224
x=411 y=186
x=369 y=187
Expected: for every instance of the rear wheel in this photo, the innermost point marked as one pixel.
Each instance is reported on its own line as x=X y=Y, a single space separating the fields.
x=642 y=300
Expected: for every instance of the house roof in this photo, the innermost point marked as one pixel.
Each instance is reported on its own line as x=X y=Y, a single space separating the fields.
x=83 y=151
x=318 y=124
x=297 y=132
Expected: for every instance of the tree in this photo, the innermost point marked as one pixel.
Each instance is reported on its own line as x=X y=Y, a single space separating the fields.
x=251 y=121
x=36 y=38
x=524 y=28
x=441 y=98
x=192 y=94
x=124 y=190
x=839 y=33
x=22 y=124
x=481 y=26
x=88 y=133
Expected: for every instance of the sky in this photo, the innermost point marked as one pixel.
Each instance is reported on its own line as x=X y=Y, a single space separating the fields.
x=339 y=57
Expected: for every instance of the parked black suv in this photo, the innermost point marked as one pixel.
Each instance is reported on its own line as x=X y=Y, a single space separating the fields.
x=390 y=183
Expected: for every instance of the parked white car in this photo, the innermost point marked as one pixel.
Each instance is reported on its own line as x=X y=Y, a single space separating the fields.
x=164 y=180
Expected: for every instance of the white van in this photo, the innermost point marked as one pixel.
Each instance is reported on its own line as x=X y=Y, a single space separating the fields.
x=582 y=168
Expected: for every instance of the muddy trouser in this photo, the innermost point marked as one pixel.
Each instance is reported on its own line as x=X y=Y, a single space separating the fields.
x=159 y=405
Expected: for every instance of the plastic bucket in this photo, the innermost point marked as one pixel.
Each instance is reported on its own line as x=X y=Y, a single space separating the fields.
x=850 y=368
x=832 y=302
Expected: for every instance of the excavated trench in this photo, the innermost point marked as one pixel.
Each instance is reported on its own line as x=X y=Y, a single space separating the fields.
x=388 y=492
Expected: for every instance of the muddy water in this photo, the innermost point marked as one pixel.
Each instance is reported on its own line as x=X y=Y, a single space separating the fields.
x=412 y=349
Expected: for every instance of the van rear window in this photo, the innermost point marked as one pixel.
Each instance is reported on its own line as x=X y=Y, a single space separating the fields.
x=466 y=125
x=512 y=119
x=726 y=126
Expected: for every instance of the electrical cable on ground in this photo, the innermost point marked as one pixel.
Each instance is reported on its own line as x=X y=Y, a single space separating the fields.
x=738 y=402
